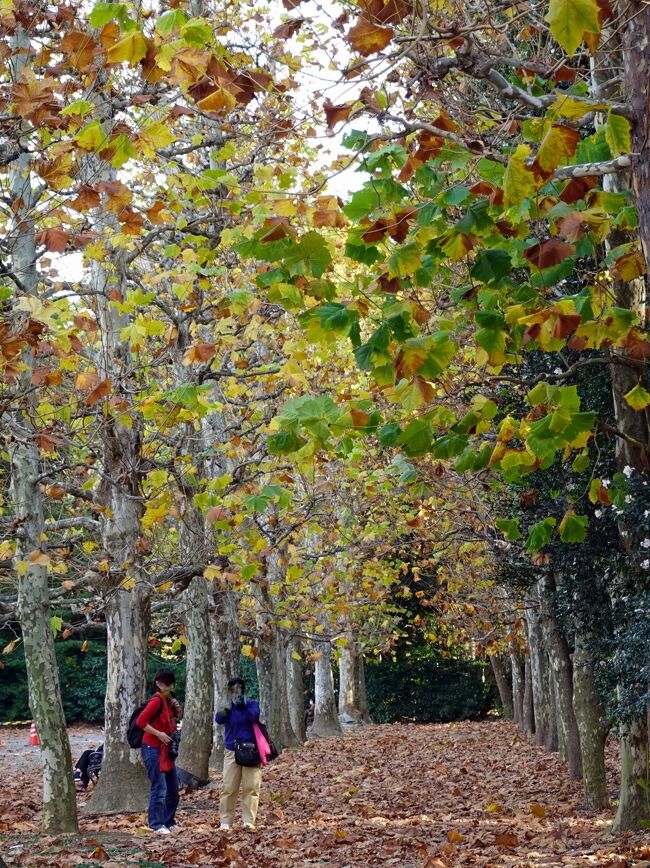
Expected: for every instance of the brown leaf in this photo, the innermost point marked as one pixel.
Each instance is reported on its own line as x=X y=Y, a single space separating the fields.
x=335 y=114
x=289 y=28
x=565 y=324
x=55 y=240
x=367 y=38
x=87 y=198
x=375 y=232
x=387 y=11
x=507 y=839
x=548 y=253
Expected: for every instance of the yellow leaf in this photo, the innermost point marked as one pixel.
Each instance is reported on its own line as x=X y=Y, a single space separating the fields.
x=247 y=651
x=155 y=136
x=638 y=398
x=220 y=101
x=129 y=583
x=10 y=647
x=537 y=809
x=103 y=566
x=21 y=567
x=131 y=48
x=84 y=647
x=211 y=573
x=569 y=19
x=494 y=808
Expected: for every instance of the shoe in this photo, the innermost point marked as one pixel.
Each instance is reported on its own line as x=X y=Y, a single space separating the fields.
x=174 y=827
x=163 y=830
x=250 y=826
x=224 y=827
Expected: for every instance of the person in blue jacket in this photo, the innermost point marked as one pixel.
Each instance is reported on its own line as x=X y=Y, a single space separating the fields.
x=238 y=718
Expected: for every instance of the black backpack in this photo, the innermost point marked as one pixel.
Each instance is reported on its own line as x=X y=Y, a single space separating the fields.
x=134 y=733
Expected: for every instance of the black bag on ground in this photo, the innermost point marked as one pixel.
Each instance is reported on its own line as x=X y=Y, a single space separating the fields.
x=134 y=733
x=247 y=754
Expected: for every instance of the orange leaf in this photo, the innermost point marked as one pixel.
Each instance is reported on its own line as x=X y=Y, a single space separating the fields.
x=367 y=38
x=86 y=380
x=99 y=853
x=98 y=393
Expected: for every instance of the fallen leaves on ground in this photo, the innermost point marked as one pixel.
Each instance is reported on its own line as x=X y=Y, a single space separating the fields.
x=462 y=794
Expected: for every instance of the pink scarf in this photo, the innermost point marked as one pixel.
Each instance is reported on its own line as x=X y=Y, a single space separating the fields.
x=262 y=744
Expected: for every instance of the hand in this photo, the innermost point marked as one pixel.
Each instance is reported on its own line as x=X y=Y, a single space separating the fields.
x=239 y=701
x=164 y=738
x=177 y=707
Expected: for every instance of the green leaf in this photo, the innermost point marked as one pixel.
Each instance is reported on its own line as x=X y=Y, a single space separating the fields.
x=310 y=253
x=618 y=135
x=491 y=266
x=449 y=446
x=509 y=527
x=56 y=625
x=171 y=21
x=540 y=534
x=569 y=19
x=102 y=13
x=573 y=528
x=416 y=438
x=363 y=201
x=284 y=442
x=638 y=398
x=196 y=31
x=389 y=434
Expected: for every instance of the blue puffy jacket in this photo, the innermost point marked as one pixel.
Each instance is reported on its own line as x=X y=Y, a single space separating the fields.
x=239 y=721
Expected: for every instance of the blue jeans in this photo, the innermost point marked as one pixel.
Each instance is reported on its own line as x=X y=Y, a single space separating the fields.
x=163 y=800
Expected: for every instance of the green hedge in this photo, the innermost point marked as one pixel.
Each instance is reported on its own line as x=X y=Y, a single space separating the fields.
x=427 y=689
x=83 y=681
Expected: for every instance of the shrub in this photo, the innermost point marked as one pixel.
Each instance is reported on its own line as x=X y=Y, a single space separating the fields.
x=428 y=689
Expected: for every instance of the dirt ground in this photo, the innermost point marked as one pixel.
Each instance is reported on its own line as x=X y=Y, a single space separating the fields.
x=402 y=795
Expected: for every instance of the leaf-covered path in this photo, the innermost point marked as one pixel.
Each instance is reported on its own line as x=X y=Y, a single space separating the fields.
x=404 y=795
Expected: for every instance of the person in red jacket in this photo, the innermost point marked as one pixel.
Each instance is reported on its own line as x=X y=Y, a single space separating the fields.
x=158 y=720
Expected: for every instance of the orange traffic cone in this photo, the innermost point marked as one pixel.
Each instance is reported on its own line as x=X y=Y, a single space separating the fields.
x=33 y=735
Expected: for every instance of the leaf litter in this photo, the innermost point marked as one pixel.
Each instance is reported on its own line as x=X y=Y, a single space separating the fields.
x=413 y=796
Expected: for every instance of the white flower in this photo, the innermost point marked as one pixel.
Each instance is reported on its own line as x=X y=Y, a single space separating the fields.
x=629 y=498
x=646 y=543
x=645 y=564
x=646 y=513
x=605 y=482
x=598 y=513
x=628 y=471
x=558 y=371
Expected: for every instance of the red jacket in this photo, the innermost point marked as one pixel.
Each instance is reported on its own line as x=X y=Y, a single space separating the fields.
x=158 y=713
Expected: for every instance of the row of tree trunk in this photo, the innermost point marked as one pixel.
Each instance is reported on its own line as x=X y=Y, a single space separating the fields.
x=549 y=691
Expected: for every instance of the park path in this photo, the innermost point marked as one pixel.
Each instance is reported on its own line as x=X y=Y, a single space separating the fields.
x=434 y=796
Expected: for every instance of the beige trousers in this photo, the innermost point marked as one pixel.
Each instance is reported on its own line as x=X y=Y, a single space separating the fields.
x=234 y=777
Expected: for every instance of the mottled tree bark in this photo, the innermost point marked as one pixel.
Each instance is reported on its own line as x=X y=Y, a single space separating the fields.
x=59 y=801
x=326 y=721
x=295 y=688
x=538 y=666
x=593 y=726
x=498 y=663
x=560 y=662
x=225 y=661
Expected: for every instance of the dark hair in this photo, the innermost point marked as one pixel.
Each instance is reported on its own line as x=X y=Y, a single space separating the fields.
x=237 y=680
x=166 y=676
